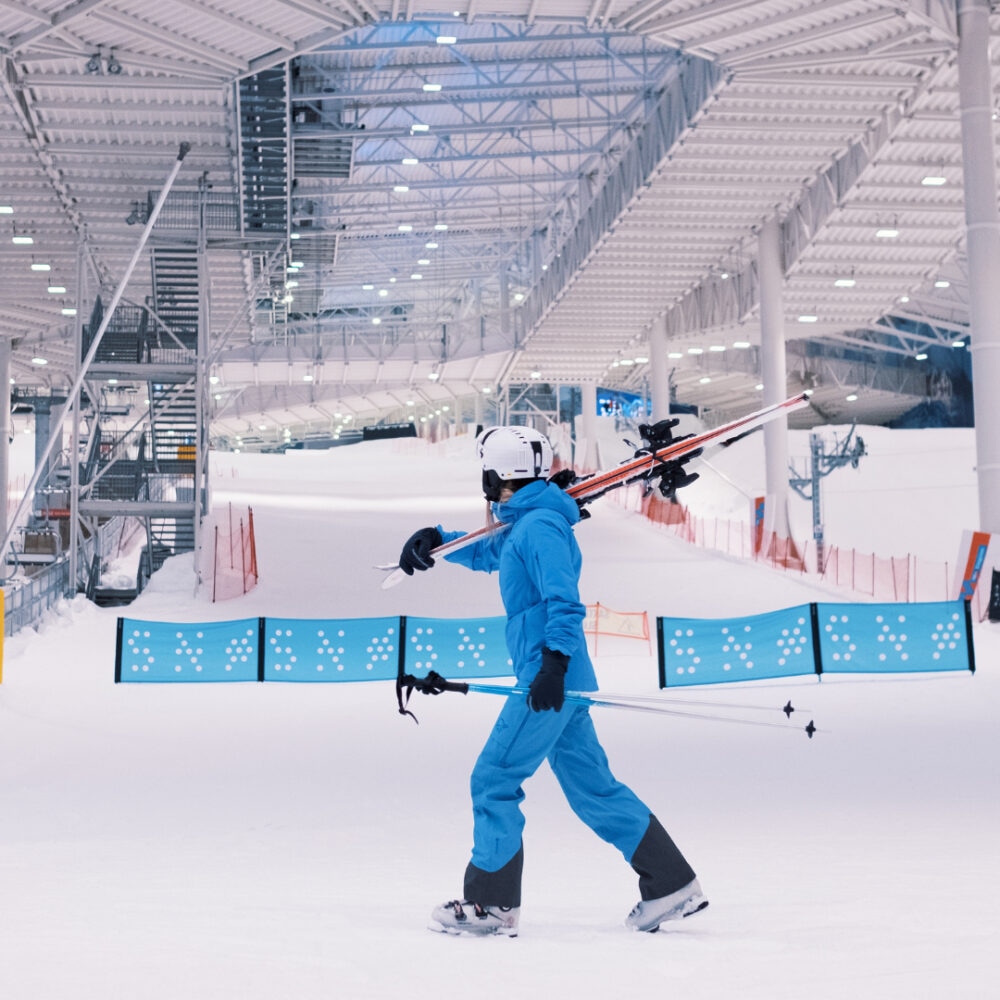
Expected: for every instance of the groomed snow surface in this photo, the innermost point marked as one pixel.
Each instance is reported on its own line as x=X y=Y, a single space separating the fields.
x=160 y=842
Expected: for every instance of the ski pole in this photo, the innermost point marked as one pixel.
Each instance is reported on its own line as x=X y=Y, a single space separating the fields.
x=581 y=698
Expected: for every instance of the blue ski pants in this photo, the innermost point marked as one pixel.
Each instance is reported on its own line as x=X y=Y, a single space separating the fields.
x=520 y=740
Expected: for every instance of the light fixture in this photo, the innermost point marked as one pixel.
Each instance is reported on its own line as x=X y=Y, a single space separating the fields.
x=958 y=343
x=420 y=127
x=416 y=277
x=405 y=227
x=887 y=233
x=941 y=283
x=57 y=289
x=844 y=283
x=376 y=321
x=920 y=357
x=446 y=39
x=808 y=318
x=441 y=226
x=934 y=180
x=519 y=296
x=307 y=377
x=904 y=298
x=68 y=311
x=410 y=161
x=675 y=355
x=536 y=374
x=114 y=66
x=741 y=344
x=430 y=246
x=39 y=361
x=401 y=188
x=641 y=359
x=6 y=210
x=383 y=292
x=695 y=350
x=213 y=379
x=297 y=264
x=852 y=397
x=759 y=386
x=717 y=348
x=486 y=389
x=424 y=261
x=433 y=376
x=704 y=380
x=431 y=88
x=291 y=284
x=93 y=66
x=368 y=288
x=22 y=241
x=41 y=267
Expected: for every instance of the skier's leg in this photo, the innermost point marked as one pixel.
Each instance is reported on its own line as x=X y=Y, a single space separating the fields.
x=613 y=811
x=520 y=741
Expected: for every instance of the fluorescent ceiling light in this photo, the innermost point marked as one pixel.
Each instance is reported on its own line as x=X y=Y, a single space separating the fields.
x=934 y=180
x=704 y=380
x=808 y=318
x=716 y=348
x=39 y=361
x=22 y=240
x=921 y=357
x=401 y=189
x=68 y=311
x=446 y=39
x=420 y=127
x=376 y=321
x=410 y=161
x=368 y=288
x=431 y=246
x=641 y=359
x=852 y=397
x=41 y=267
x=942 y=284
x=887 y=234
x=6 y=210
x=441 y=226
x=424 y=261
x=844 y=283
x=432 y=88
x=958 y=343
x=743 y=344
x=433 y=376
x=405 y=228
x=57 y=289
x=695 y=350
x=383 y=292
x=675 y=354
x=416 y=277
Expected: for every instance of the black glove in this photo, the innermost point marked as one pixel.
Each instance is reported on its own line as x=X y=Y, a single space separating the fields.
x=547 y=690
x=416 y=552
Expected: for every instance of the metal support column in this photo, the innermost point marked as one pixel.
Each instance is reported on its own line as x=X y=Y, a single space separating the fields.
x=659 y=369
x=5 y=432
x=983 y=242
x=775 y=377
x=591 y=457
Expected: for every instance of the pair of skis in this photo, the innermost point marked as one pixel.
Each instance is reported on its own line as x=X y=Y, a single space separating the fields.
x=629 y=471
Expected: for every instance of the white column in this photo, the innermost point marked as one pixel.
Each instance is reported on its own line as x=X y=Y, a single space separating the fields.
x=983 y=244
x=659 y=370
x=5 y=429
x=775 y=378
x=589 y=457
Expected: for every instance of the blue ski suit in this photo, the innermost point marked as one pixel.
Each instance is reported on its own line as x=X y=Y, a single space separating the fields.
x=539 y=564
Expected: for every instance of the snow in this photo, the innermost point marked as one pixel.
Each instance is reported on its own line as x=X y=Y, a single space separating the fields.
x=259 y=841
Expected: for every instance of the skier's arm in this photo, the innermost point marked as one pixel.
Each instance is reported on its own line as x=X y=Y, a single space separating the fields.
x=555 y=565
x=483 y=555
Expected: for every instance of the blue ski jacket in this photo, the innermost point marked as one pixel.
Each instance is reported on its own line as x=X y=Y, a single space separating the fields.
x=539 y=563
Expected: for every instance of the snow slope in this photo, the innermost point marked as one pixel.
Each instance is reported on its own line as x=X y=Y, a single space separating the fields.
x=262 y=841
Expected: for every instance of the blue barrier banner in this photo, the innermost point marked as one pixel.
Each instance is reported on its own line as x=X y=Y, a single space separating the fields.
x=715 y=650
x=895 y=638
x=457 y=648
x=206 y=651
x=344 y=649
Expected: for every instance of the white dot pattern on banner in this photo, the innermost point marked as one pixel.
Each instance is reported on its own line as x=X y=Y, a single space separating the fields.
x=837 y=632
x=189 y=649
x=470 y=647
x=423 y=643
x=946 y=636
x=331 y=649
x=736 y=645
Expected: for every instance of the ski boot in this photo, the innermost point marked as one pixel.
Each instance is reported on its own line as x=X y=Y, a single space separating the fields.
x=459 y=916
x=648 y=914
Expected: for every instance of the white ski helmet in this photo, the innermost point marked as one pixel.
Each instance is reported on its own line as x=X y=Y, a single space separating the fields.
x=512 y=453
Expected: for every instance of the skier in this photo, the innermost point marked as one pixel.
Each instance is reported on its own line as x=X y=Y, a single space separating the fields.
x=539 y=564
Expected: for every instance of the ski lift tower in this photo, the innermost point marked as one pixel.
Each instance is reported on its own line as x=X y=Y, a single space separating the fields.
x=822 y=464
